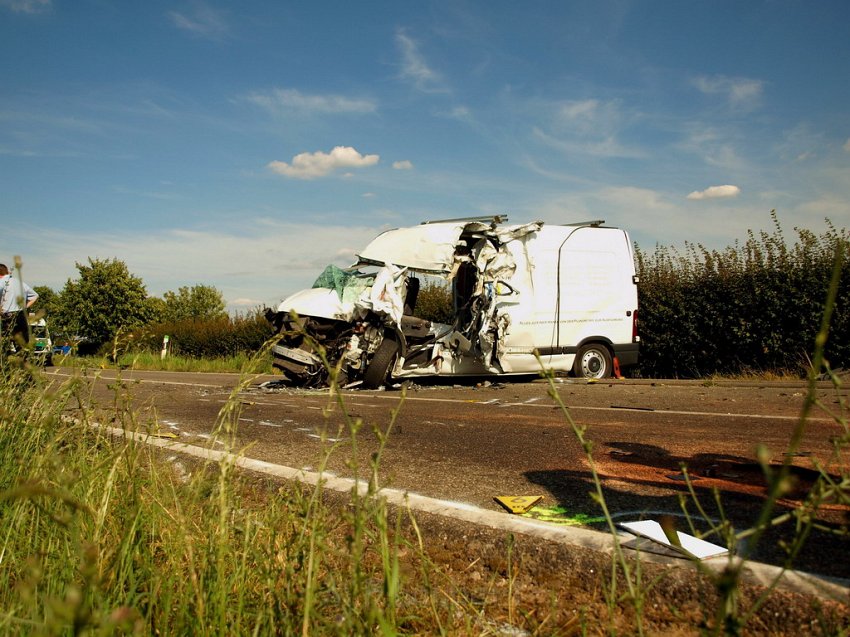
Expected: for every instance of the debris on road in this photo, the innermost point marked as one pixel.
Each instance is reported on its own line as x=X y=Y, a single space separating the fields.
x=162 y=434
x=689 y=546
x=561 y=515
x=518 y=503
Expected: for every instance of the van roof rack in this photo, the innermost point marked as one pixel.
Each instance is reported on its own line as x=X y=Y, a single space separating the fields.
x=483 y=219
x=595 y=223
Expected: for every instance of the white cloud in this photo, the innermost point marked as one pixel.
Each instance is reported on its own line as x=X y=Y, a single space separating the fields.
x=245 y=303
x=202 y=21
x=261 y=262
x=715 y=192
x=415 y=68
x=404 y=164
x=715 y=147
x=831 y=205
x=603 y=147
x=740 y=92
x=656 y=217
x=287 y=100
x=320 y=164
x=591 y=117
x=460 y=113
x=582 y=128
x=26 y=6
x=847 y=145
x=581 y=109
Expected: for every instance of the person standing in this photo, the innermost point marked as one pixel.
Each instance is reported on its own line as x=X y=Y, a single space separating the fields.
x=15 y=297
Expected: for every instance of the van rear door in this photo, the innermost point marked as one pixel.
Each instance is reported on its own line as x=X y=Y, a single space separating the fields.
x=597 y=290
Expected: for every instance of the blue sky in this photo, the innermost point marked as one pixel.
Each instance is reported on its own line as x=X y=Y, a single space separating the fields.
x=247 y=144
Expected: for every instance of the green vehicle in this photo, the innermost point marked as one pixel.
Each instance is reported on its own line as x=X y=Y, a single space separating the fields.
x=42 y=343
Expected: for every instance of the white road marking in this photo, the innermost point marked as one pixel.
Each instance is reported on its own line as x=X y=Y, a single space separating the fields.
x=397 y=398
x=318 y=437
x=655 y=412
x=575 y=536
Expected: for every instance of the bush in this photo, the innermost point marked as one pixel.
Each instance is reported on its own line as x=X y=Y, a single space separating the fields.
x=751 y=307
x=207 y=338
x=435 y=302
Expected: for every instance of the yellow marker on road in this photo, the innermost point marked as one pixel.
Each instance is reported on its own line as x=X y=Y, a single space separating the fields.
x=518 y=503
x=162 y=434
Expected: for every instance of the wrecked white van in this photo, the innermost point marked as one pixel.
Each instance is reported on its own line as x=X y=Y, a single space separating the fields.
x=564 y=296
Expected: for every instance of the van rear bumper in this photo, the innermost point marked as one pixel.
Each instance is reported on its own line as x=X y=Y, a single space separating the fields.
x=626 y=353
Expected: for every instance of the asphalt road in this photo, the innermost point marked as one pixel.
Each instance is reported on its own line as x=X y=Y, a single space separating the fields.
x=471 y=443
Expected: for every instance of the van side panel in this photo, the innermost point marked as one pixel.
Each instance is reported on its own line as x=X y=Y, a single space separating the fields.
x=572 y=285
x=533 y=311
x=598 y=295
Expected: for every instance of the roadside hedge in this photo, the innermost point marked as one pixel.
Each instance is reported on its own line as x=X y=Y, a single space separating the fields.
x=207 y=338
x=754 y=307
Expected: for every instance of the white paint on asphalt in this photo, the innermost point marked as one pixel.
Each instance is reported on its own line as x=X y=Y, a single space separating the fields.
x=318 y=437
x=575 y=536
x=661 y=412
x=527 y=403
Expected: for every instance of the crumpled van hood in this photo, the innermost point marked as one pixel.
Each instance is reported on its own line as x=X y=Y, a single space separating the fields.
x=321 y=302
x=431 y=247
x=428 y=247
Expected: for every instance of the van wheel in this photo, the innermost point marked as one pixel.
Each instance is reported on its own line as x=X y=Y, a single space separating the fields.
x=382 y=361
x=593 y=361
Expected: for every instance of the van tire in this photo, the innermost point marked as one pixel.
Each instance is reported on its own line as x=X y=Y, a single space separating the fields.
x=593 y=361
x=382 y=361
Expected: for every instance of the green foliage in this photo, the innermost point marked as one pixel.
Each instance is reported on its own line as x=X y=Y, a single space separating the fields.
x=218 y=337
x=750 y=307
x=104 y=300
x=197 y=302
x=156 y=307
x=104 y=537
x=47 y=302
x=435 y=302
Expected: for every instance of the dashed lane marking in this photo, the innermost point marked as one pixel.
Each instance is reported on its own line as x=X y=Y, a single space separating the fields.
x=527 y=404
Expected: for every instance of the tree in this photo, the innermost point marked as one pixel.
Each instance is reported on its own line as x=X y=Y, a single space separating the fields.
x=47 y=302
x=157 y=309
x=200 y=302
x=104 y=300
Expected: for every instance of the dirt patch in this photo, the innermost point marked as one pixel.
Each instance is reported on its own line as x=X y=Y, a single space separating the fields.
x=515 y=584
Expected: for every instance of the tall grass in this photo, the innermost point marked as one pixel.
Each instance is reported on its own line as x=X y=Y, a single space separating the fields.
x=144 y=360
x=102 y=535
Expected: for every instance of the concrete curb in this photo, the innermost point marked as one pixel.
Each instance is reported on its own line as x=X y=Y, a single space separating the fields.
x=763 y=574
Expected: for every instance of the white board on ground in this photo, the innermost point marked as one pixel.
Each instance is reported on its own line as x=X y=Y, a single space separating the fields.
x=690 y=545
